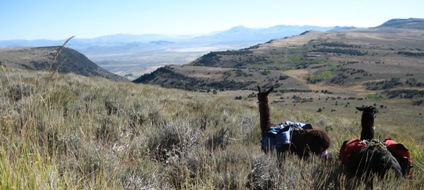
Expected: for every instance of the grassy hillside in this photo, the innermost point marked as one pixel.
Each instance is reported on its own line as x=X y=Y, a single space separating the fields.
x=74 y=132
x=40 y=58
x=384 y=61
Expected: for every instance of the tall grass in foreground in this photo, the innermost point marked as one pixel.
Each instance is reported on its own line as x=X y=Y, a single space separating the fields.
x=91 y=133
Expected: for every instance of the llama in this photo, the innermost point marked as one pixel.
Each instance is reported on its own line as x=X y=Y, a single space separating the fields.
x=366 y=156
x=302 y=142
x=367 y=121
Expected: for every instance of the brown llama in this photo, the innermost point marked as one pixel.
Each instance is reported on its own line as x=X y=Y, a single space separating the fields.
x=302 y=142
x=367 y=156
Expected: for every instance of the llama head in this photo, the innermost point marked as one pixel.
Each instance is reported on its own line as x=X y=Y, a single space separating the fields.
x=263 y=96
x=367 y=121
x=368 y=110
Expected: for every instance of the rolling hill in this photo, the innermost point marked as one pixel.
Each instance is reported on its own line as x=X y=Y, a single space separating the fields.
x=412 y=23
x=386 y=60
x=40 y=58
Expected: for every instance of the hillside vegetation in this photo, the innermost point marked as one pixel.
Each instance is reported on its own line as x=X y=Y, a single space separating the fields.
x=74 y=132
x=40 y=58
x=386 y=61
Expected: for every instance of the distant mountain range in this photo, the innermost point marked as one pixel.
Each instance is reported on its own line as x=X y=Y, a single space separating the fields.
x=235 y=37
x=238 y=34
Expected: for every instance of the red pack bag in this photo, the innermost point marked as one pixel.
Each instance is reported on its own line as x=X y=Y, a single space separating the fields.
x=401 y=154
x=350 y=147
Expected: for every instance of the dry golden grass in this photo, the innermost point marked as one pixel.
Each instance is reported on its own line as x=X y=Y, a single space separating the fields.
x=74 y=132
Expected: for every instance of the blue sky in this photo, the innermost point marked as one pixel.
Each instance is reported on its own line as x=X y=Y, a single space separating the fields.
x=60 y=19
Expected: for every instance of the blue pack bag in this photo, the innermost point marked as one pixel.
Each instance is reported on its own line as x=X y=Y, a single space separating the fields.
x=275 y=138
x=279 y=136
x=297 y=124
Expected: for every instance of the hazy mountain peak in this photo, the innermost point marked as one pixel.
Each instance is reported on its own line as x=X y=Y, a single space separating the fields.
x=410 y=23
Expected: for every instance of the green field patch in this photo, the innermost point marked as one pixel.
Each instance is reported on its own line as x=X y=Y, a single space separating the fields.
x=376 y=97
x=330 y=72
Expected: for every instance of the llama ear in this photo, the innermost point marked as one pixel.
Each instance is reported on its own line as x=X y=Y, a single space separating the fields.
x=269 y=91
x=360 y=108
x=259 y=88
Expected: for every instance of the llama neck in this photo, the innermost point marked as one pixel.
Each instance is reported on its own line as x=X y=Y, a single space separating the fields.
x=367 y=124
x=265 y=116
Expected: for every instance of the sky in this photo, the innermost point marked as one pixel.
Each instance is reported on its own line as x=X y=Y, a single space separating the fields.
x=60 y=19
